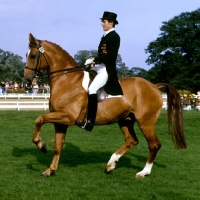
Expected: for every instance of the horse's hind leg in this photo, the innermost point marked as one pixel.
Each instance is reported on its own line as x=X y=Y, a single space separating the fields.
x=130 y=140
x=148 y=129
x=60 y=131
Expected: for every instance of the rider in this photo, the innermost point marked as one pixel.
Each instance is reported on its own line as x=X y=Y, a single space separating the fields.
x=105 y=66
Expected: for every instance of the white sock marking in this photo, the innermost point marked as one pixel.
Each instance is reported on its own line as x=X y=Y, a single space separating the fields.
x=115 y=157
x=146 y=170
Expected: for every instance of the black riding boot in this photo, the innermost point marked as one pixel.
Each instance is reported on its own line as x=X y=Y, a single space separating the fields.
x=91 y=113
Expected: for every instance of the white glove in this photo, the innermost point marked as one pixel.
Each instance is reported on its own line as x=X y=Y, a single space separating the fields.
x=89 y=61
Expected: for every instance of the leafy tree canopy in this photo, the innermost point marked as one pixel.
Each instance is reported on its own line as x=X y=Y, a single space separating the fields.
x=11 y=67
x=175 y=55
x=82 y=55
x=122 y=69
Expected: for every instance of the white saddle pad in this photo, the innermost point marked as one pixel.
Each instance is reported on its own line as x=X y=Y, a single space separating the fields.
x=85 y=84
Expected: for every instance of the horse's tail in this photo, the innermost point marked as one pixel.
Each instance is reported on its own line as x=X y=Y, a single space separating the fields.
x=174 y=116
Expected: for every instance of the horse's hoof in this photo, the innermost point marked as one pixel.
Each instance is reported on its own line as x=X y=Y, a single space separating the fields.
x=111 y=167
x=44 y=175
x=44 y=148
x=139 y=176
x=48 y=173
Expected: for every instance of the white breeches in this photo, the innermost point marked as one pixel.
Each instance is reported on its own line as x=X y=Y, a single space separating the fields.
x=100 y=80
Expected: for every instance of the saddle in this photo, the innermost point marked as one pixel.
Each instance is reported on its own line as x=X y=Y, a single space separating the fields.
x=101 y=93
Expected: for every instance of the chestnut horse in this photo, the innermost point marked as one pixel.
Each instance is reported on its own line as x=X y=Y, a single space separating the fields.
x=141 y=102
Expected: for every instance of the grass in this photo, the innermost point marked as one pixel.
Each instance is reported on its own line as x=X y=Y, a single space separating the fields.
x=81 y=171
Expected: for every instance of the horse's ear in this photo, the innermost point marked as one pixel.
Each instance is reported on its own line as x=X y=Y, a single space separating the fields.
x=32 y=39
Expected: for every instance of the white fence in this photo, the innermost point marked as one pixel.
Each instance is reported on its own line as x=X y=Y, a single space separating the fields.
x=32 y=101
x=35 y=96
x=24 y=96
x=25 y=105
x=40 y=102
x=24 y=101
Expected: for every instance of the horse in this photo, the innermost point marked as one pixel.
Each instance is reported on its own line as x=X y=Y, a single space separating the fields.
x=141 y=102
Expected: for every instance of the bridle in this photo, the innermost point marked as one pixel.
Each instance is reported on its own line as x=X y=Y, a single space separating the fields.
x=38 y=63
x=38 y=74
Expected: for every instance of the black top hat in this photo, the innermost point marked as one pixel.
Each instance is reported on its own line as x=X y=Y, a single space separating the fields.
x=110 y=16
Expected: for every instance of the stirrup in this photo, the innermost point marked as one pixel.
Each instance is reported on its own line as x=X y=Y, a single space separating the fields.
x=80 y=124
x=88 y=125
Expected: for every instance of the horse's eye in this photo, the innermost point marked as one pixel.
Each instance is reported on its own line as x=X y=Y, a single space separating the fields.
x=32 y=56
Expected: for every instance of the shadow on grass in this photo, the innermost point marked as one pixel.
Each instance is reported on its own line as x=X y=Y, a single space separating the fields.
x=144 y=159
x=72 y=156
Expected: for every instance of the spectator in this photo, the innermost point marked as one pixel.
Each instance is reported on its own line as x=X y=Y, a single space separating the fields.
x=41 y=89
x=7 y=86
x=28 y=88
x=34 y=86
x=10 y=84
x=3 y=87
x=46 y=86
x=0 y=89
x=16 y=86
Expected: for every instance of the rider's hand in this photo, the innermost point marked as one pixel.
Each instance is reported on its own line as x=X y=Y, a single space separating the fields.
x=89 y=61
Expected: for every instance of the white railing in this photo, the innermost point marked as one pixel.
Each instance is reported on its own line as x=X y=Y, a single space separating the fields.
x=12 y=101
x=35 y=96
x=34 y=103
x=24 y=96
x=25 y=105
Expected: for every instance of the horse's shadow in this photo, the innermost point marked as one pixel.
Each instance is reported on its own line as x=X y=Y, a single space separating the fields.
x=72 y=156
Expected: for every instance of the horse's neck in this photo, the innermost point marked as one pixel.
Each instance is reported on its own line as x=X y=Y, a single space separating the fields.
x=58 y=58
x=67 y=84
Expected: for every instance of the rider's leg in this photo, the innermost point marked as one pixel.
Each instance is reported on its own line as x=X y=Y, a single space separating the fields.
x=99 y=81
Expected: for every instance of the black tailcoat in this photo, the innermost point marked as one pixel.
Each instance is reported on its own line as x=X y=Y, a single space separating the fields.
x=107 y=54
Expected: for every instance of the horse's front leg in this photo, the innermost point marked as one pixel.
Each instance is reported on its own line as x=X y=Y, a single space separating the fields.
x=36 y=136
x=54 y=117
x=60 y=131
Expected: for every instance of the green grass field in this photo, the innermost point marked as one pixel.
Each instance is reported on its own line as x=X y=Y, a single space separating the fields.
x=81 y=171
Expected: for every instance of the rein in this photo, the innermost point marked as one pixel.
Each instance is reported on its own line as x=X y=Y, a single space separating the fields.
x=67 y=70
x=38 y=74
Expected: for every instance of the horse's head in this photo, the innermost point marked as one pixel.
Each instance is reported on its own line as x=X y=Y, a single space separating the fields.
x=36 y=61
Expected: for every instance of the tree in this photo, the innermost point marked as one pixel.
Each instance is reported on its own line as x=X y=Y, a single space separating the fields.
x=176 y=53
x=82 y=55
x=11 y=67
x=139 y=72
x=123 y=70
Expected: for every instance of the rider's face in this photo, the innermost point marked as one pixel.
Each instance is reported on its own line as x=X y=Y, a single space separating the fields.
x=106 y=25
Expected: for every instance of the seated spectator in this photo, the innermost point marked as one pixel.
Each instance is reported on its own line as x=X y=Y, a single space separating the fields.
x=7 y=87
x=47 y=87
x=34 y=86
x=16 y=86
x=3 y=87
